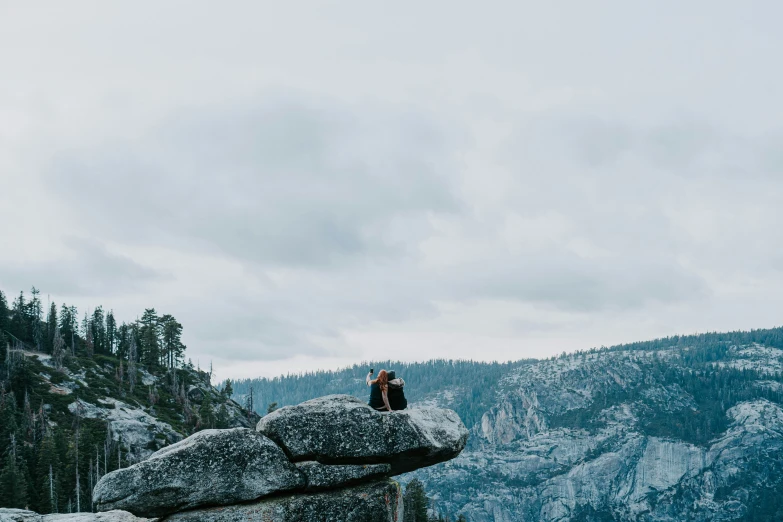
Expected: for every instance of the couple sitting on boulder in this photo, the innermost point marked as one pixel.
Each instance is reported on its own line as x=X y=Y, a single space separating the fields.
x=386 y=391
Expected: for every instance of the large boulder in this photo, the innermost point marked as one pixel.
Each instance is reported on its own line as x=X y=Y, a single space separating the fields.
x=373 y=502
x=20 y=515
x=210 y=468
x=340 y=429
x=327 y=476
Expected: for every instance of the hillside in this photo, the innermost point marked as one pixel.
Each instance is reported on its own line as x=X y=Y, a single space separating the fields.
x=683 y=427
x=687 y=427
x=75 y=407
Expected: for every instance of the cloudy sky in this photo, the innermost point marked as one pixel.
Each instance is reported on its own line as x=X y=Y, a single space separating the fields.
x=308 y=185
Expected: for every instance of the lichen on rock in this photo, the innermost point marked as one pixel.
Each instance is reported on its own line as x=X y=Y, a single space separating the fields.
x=212 y=467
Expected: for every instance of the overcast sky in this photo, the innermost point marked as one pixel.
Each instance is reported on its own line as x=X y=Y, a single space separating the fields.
x=310 y=184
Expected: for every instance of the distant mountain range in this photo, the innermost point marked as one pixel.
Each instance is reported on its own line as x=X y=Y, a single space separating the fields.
x=681 y=428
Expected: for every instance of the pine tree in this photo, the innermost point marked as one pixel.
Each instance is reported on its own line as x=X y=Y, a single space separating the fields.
x=36 y=317
x=67 y=325
x=18 y=322
x=98 y=327
x=228 y=391
x=89 y=341
x=111 y=331
x=172 y=347
x=132 y=362
x=4 y=325
x=206 y=413
x=4 y=312
x=51 y=325
x=123 y=341
x=13 y=483
x=149 y=338
x=47 y=463
x=415 y=502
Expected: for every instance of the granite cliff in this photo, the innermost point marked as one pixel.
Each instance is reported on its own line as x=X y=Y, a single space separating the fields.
x=326 y=460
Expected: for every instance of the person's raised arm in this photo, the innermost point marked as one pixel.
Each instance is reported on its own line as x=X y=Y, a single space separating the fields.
x=368 y=378
x=386 y=400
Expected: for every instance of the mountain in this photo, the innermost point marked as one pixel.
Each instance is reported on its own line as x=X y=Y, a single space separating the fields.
x=687 y=427
x=682 y=428
x=79 y=402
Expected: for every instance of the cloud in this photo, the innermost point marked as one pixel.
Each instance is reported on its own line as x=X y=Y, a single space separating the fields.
x=281 y=181
x=85 y=267
x=305 y=186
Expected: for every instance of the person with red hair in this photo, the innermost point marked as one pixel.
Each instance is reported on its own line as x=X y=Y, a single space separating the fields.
x=386 y=391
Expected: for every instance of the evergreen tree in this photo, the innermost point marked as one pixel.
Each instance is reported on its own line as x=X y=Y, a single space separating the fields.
x=123 y=341
x=228 y=391
x=51 y=325
x=8 y=423
x=206 y=413
x=172 y=347
x=89 y=340
x=111 y=332
x=13 y=483
x=18 y=325
x=98 y=327
x=415 y=502
x=47 y=463
x=67 y=325
x=4 y=325
x=132 y=356
x=4 y=313
x=149 y=338
x=36 y=318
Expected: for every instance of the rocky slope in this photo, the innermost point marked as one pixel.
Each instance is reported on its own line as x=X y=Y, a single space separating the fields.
x=665 y=434
x=301 y=464
x=138 y=422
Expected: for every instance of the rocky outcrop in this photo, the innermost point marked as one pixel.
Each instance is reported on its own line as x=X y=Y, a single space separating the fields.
x=324 y=476
x=375 y=502
x=601 y=437
x=324 y=460
x=406 y=440
x=212 y=467
x=20 y=515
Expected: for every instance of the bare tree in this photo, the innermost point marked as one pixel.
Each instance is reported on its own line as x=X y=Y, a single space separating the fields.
x=58 y=349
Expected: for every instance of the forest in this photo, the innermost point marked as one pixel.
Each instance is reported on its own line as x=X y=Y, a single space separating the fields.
x=477 y=381
x=50 y=454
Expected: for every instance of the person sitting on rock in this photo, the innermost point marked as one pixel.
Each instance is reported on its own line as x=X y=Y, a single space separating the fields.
x=397 y=392
x=386 y=391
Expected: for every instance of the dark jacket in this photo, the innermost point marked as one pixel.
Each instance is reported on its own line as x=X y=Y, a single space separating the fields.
x=396 y=394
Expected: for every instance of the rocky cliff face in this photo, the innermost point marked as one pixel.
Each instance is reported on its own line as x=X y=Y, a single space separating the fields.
x=326 y=460
x=625 y=435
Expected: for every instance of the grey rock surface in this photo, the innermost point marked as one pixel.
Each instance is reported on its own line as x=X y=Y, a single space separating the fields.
x=340 y=429
x=374 y=502
x=21 y=515
x=18 y=515
x=524 y=462
x=325 y=476
x=110 y=516
x=211 y=467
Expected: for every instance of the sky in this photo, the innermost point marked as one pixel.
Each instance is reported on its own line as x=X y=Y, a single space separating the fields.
x=306 y=185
